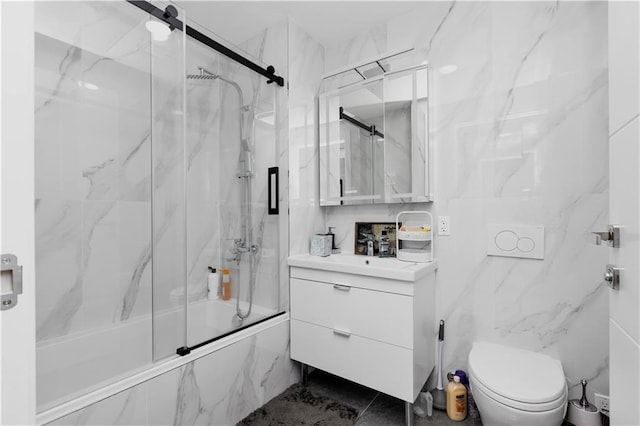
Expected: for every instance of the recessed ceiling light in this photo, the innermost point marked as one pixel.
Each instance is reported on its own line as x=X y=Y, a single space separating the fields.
x=158 y=30
x=448 y=69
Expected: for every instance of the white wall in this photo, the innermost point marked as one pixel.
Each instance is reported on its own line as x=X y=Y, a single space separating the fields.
x=519 y=133
x=17 y=325
x=624 y=206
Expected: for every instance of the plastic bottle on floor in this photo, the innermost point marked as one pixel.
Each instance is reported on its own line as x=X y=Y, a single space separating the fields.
x=456 y=400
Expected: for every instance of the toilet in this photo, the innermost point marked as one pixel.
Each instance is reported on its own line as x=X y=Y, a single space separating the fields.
x=516 y=387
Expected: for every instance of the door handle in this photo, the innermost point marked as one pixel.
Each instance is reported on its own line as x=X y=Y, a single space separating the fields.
x=612 y=277
x=11 y=281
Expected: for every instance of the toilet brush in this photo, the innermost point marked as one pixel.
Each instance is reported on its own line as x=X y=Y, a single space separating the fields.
x=438 y=393
x=581 y=412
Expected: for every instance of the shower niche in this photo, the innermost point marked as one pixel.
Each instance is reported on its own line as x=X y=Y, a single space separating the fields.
x=373 y=134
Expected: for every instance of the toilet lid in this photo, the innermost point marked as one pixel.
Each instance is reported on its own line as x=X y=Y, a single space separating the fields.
x=516 y=374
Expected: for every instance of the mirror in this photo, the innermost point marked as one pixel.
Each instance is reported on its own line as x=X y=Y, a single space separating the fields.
x=373 y=140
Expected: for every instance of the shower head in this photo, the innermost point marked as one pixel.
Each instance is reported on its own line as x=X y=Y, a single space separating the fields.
x=204 y=75
x=208 y=75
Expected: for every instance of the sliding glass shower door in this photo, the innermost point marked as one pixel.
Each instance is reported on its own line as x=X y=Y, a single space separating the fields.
x=108 y=146
x=155 y=160
x=232 y=158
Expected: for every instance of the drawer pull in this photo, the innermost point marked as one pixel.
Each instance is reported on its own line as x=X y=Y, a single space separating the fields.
x=341 y=287
x=341 y=333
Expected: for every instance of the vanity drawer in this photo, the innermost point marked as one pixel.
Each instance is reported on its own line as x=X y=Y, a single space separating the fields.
x=378 y=315
x=381 y=366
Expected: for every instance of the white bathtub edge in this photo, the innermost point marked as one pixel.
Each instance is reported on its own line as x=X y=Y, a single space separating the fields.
x=156 y=370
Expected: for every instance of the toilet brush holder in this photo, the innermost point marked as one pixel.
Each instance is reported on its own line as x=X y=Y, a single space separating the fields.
x=581 y=412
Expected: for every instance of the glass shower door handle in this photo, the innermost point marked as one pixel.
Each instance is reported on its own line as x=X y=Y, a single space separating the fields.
x=11 y=282
x=274 y=190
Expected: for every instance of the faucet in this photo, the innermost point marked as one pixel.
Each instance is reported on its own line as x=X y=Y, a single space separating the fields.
x=240 y=247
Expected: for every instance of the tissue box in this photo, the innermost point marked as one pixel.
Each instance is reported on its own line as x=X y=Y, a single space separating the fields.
x=320 y=245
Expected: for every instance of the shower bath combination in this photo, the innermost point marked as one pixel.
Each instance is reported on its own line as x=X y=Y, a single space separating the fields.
x=245 y=243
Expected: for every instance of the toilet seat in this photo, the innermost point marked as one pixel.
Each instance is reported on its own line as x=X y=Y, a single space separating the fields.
x=478 y=386
x=517 y=378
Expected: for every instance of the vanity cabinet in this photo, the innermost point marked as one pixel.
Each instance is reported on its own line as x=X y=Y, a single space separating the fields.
x=376 y=331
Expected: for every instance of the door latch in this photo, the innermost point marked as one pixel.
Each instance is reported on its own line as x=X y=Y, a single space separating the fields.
x=11 y=281
x=609 y=238
x=612 y=277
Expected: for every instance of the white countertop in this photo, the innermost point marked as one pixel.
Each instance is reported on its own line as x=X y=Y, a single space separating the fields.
x=381 y=267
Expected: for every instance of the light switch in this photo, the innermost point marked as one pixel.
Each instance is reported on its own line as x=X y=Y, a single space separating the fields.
x=526 y=241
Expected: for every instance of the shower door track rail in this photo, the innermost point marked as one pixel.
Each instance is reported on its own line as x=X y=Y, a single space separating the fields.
x=174 y=23
x=185 y=350
x=371 y=129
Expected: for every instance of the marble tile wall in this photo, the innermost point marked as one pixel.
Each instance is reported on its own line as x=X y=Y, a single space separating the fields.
x=93 y=212
x=519 y=135
x=306 y=65
x=92 y=150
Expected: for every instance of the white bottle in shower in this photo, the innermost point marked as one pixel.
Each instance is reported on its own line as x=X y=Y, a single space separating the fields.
x=213 y=284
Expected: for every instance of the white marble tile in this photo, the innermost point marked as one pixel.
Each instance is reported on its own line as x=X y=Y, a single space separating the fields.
x=368 y=44
x=306 y=67
x=59 y=266
x=125 y=408
x=224 y=387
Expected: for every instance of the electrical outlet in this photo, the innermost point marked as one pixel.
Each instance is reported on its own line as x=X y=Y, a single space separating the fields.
x=602 y=403
x=444 y=227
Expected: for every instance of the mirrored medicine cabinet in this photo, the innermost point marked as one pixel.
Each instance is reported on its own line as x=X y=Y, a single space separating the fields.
x=373 y=139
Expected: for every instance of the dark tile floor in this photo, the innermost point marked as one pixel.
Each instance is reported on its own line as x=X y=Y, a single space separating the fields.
x=374 y=408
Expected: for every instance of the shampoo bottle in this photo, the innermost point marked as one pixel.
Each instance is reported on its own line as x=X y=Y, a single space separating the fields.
x=456 y=400
x=213 y=284
x=226 y=285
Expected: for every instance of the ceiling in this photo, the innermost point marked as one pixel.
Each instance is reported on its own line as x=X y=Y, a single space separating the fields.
x=328 y=22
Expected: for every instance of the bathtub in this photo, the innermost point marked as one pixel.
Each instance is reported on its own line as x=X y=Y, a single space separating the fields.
x=77 y=364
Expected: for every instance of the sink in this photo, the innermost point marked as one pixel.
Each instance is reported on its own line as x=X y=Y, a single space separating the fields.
x=381 y=267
